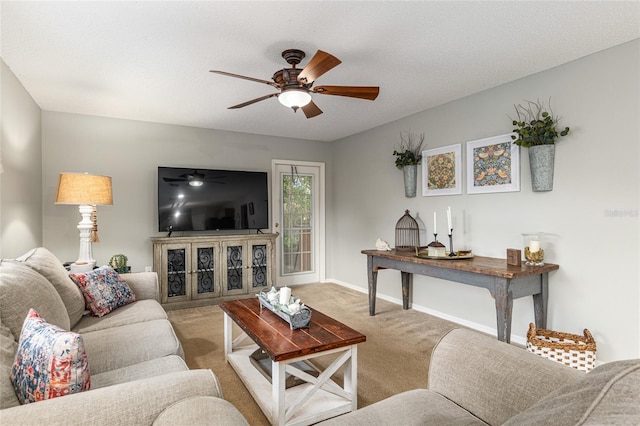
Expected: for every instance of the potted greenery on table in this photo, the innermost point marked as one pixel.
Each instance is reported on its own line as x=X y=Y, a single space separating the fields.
x=408 y=156
x=537 y=129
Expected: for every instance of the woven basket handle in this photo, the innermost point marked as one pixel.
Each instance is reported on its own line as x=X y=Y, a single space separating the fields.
x=589 y=337
x=532 y=331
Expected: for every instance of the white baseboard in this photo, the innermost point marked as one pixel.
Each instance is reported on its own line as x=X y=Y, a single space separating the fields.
x=519 y=340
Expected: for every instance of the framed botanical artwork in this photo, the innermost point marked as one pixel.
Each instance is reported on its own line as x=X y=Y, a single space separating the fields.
x=493 y=165
x=442 y=171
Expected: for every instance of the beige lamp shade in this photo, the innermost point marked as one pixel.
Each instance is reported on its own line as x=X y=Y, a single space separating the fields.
x=83 y=188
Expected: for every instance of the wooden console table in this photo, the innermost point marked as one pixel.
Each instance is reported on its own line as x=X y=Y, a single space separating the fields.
x=504 y=282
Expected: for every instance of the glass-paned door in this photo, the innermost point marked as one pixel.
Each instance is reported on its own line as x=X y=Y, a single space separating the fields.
x=298 y=210
x=297 y=223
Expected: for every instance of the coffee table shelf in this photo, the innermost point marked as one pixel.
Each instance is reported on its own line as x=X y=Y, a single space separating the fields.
x=318 y=398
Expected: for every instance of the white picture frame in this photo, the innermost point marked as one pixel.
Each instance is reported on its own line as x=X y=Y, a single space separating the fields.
x=442 y=171
x=493 y=165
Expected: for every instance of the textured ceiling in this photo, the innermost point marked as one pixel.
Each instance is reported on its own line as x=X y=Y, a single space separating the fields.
x=150 y=60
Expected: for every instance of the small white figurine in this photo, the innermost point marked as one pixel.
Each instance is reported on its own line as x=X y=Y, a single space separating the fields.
x=294 y=308
x=272 y=296
x=382 y=245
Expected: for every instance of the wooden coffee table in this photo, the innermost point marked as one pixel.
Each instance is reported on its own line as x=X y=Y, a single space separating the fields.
x=318 y=398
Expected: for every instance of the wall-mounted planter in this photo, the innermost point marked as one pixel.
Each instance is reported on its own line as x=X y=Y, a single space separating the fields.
x=541 y=161
x=410 y=180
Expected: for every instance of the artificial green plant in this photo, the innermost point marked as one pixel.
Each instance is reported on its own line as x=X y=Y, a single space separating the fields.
x=535 y=125
x=410 y=151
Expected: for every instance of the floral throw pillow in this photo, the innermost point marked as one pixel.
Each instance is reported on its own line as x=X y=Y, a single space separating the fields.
x=50 y=362
x=103 y=290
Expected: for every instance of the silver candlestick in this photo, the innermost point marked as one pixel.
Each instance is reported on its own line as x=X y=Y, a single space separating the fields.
x=451 y=252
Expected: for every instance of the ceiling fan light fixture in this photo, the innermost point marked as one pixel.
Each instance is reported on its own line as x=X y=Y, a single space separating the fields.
x=294 y=98
x=196 y=179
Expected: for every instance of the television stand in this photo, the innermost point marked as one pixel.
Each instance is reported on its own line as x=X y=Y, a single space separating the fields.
x=204 y=270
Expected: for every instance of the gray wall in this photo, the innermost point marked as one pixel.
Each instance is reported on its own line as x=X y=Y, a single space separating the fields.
x=130 y=152
x=591 y=214
x=20 y=168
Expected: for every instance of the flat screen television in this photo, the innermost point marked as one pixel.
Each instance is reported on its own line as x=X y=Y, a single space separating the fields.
x=211 y=200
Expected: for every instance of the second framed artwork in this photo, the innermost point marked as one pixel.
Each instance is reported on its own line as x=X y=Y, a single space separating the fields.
x=493 y=165
x=442 y=171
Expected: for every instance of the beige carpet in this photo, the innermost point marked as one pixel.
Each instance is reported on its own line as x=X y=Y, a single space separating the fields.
x=395 y=357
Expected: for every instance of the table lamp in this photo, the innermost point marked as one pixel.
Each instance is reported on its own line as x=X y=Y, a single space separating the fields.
x=87 y=191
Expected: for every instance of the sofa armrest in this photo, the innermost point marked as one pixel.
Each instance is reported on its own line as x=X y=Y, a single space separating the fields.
x=144 y=284
x=137 y=403
x=491 y=379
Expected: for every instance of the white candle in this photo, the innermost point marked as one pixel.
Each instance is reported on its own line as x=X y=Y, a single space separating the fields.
x=434 y=223
x=285 y=295
x=449 y=219
x=534 y=246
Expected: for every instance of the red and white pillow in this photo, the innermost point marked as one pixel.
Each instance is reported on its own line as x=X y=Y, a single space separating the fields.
x=50 y=362
x=103 y=290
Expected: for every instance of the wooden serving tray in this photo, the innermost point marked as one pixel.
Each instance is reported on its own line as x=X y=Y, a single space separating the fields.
x=300 y=319
x=424 y=255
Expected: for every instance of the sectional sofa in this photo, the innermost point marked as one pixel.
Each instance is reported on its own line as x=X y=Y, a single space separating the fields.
x=137 y=371
x=475 y=379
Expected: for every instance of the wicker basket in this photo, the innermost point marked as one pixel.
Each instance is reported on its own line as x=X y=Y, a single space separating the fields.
x=573 y=350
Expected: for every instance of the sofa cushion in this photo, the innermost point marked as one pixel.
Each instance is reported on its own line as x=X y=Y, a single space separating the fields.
x=21 y=289
x=142 y=370
x=144 y=284
x=411 y=408
x=103 y=290
x=123 y=346
x=139 y=311
x=8 y=348
x=50 y=362
x=207 y=410
x=133 y=403
x=48 y=265
x=608 y=395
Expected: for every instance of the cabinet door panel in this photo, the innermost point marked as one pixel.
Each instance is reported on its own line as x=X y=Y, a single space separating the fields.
x=235 y=279
x=205 y=268
x=176 y=273
x=260 y=278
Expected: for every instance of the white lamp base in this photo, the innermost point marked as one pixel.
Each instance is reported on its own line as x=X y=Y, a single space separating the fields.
x=85 y=256
x=82 y=267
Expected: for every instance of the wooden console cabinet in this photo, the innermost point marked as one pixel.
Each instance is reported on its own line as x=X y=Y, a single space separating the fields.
x=196 y=271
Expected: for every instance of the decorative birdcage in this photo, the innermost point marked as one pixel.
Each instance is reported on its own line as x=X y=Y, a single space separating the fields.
x=407 y=233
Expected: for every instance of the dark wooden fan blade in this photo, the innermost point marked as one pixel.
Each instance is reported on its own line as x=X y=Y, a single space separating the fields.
x=318 y=65
x=311 y=110
x=244 y=77
x=253 y=101
x=361 y=92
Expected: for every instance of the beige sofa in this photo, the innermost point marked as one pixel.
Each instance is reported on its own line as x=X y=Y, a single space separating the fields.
x=476 y=380
x=138 y=375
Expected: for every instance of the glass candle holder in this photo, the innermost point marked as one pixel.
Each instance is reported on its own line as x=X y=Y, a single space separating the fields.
x=533 y=252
